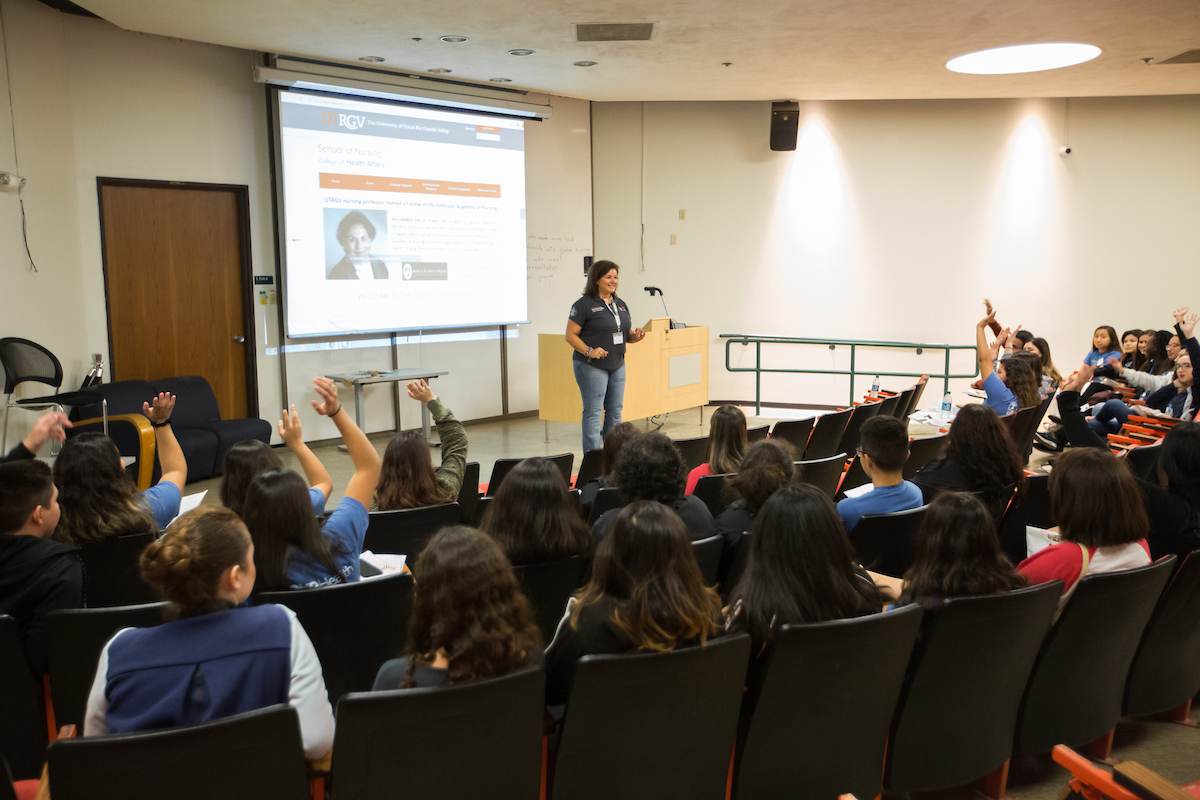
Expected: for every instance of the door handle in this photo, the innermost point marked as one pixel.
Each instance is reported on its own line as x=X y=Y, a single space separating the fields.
x=237 y=337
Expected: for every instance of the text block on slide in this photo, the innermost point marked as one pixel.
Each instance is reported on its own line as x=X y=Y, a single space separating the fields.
x=684 y=370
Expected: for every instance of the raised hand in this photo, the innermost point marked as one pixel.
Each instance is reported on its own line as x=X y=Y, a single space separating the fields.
x=1189 y=325
x=160 y=408
x=988 y=320
x=1180 y=314
x=419 y=390
x=329 y=404
x=289 y=428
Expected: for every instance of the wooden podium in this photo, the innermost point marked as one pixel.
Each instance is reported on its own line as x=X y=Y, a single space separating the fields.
x=666 y=371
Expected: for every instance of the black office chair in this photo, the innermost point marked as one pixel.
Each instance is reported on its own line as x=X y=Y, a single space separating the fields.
x=408 y=530
x=24 y=360
x=955 y=719
x=1165 y=673
x=826 y=434
x=712 y=490
x=921 y=452
x=1030 y=508
x=477 y=739
x=824 y=706
x=758 y=434
x=354 y=627
x=258 y=754
x=794 y=432
x=589 y=468
x=652 y=725
x=708 y=557
x=468 y=493
x=886 y=543
x=693 y=451
x=111 y=576
x=549 y=586
x=1075 y=691
x=74 y=640
x=606 y=500
x=824 y=473
x=23 y=731
x=851 y=434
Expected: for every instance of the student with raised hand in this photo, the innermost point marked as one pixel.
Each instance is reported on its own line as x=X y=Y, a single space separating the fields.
x=37 y=575
x=470 y=619
x=533 y=516
x=883 y=452
x=408 y=479
x=246 y=460
x=216 y=657
x=98 y=498
x=727 y=445
x=48 y=426
x=1009 y=385
x=291 y=549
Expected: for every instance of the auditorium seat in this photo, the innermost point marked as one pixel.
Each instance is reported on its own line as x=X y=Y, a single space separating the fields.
x=1165 y=673
x=23 y=732
x=408 y=530
x=886 y=543
x=794 y=432
x=713 y=491
x=824 y=473
x=827 y=432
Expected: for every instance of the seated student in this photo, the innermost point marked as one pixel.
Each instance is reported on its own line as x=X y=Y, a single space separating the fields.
x=614 y=442
x=1095 y=500
x=727 y=445
x=215 y=658
x=97 y=497
x=1106 y=351
x=533 y=516
x=37 y=575
x=979 y=457
x=470 y=620
x=767 y=468
x=246 y=460
x=1131 y=357
x=1010 y=384
x=1152 y=344
x=646 y=593
x=1051 y=377
x=650 y=468
x=48 y=426
x=883 y=452
x=1146 y=382
x=291 y=549
x=408 y=479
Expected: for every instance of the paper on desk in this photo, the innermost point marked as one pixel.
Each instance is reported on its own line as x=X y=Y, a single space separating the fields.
x=386 y=563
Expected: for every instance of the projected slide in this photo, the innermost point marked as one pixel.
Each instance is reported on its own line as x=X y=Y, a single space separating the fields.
x=399 y=218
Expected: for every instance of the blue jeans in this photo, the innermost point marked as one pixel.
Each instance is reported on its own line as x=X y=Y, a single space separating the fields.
x=603 y=395
x=1109 y=417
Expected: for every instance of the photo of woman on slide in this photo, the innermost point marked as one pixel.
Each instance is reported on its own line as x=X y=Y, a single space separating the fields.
x=355 y=234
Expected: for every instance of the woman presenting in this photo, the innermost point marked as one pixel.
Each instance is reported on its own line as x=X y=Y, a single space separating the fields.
x=598 y=328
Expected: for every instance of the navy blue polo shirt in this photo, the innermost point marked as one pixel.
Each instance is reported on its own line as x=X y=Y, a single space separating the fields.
x=598 y=324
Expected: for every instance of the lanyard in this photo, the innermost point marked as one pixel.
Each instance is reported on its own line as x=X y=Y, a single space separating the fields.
x=615 y=313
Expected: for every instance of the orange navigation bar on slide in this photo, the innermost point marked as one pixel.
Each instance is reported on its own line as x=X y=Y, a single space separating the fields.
x=375 y=183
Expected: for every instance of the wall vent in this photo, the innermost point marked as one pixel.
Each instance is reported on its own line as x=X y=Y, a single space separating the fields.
x=1186 y=57
x=614 y=32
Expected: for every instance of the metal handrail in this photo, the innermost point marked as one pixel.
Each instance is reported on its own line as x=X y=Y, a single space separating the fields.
x=833 y=344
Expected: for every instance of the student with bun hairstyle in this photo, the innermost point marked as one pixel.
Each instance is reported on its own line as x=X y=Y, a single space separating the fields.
x=408 y=479
x=767 y=468
x=246 y=460
x=727 y=445
x=470 y=619
x=533 y=516
x=214 y=658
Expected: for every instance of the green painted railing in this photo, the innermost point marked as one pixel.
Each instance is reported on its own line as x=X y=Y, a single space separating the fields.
x=758 y=369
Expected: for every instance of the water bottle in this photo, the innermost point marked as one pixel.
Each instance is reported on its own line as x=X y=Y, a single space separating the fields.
x=947 y=404
x=875 y=385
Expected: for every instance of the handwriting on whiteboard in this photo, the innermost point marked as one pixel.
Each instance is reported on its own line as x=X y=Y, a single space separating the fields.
x=548 y=256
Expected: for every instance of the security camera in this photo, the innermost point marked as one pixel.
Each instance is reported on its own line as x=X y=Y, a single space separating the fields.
x=1064 y=151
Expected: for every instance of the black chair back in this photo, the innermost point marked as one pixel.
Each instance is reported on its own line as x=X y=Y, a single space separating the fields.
x=693 y=451
x=1165 y=672
x=549 y=586
x=708 y=556
x=606 y=500
x=855 y=476
x=904 y=404
x=886 y=543
x=24 y=360
x=479 y=739
x=794 y=432
x=110 y=571
x=955 y=718
x=842 y=678
x=852 y=433
x=354 y=627
x=258 y=754
x=711 y=490
x=921 y=452
x=915 y=401
x=888 y=406
x=503 y=466
x=74 y=640
x=758 y=434
x=589 y=468
x=468 y=493
x=1144 y=461
x=408 y=530
x=1074 y=694
x=1030 y=508
x=23 y=731
x=827 y=432
x=1025 y=422
x=481 y=507
x=652 y=725
x=824 y=473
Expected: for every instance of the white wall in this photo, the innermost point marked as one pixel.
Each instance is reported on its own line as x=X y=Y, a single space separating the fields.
x=893 y=219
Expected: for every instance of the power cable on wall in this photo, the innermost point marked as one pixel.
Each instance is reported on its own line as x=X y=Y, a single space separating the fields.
x=12 y=118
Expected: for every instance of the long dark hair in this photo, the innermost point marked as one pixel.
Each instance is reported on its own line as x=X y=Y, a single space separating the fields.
x=647 y=566
x=727 y=443
x=800 y=567
x=598 y=270
x=1114 y=344
x=244 y=462
x=1095 y=500
x=534 y=517
x=1019 y=379
x=407 y=478
x=614 y=443
x=186 y=564
x=957 y=553
x=280 y=518
x=983 y=450
x=97 y=497
x=651 y=468
x=1048 y=368
x=766 y=469
x=1179 y=461
x=467 y=603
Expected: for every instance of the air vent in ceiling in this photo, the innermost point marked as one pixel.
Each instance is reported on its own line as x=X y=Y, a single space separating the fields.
x=1186 y=57
x=614 y=32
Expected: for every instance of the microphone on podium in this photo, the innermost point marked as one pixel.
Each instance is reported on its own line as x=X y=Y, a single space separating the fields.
x=654 y=290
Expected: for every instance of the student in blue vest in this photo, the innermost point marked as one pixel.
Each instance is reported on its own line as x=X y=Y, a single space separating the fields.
x=214 y=659
x=884 y=450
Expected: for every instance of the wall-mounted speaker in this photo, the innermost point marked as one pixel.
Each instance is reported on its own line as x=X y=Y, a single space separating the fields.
x=785 y=123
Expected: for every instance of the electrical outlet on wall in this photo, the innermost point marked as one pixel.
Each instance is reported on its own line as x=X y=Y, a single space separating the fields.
x=673 y=238
x=682 y=214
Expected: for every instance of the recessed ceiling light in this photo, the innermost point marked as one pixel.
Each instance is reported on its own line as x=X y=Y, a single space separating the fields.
x=1023 y=58
x=585 y=63
x=455 y=39
x=371 y=59
x=521 y=52
x=439 y=70
x=500 y=80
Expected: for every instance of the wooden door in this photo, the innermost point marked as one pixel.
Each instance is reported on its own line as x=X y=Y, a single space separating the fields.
x=177 y=278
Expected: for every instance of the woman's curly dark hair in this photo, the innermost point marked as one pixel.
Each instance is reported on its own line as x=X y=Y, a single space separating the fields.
x=767 y=468
x=981 y=447
x=97 y=497
x=651 y=468
x=468 y=605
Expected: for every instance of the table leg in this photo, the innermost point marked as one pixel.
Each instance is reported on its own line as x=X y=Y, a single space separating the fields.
x=358 y=407
x=425 y=428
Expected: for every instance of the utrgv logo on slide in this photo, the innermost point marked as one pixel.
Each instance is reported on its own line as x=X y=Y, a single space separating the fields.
x=345 y=120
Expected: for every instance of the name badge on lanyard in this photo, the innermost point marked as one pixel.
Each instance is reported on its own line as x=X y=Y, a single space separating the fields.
x=618 y=337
